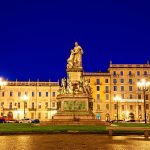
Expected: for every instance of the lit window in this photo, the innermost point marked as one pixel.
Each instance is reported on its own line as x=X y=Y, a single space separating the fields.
x=130 y=96
x=107 y=106
x=46 y=104
x=39 y=105
x=139 y=96
x=53 y=104
x=122 y=106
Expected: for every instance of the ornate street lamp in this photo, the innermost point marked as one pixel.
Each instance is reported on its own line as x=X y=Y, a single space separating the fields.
x=25 y=98
x=2 y=83
x=117 y=99
x=143 y=86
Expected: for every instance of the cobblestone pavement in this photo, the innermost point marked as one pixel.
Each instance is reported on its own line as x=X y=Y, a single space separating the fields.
x=73 y=142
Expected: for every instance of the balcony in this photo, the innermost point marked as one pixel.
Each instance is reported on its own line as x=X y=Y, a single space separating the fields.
x=9 y=109
x=32 y=109
x=106 y=91
x=53 y=108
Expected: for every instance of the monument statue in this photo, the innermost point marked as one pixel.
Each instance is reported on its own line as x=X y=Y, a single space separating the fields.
x=75 y=59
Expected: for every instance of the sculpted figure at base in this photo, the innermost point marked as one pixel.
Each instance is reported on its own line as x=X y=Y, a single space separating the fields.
x=75 y=59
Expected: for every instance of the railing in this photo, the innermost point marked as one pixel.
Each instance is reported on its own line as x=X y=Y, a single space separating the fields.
x=9 y=109
x=32 y=109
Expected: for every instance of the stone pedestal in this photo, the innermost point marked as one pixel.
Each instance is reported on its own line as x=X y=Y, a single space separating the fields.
x=74 y=107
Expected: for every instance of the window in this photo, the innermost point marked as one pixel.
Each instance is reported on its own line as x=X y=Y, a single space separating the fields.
x=32 y=94
x=145 y=73
x=3 y=94
x=121 y=73
x=129 y=73
x=106 y=80
x=53 y=104
x=115 y=88
x=115 y=106
x=130 y=81
x=97 y=88
x=39 y=115
x=131 y=107
x=39 y=105
x=139 y=96
x=10 y=105
x=147 y=106
x=26 y=93
x=25 y=103
x=97 y=81
x=46 y=115
x=130 y=88
x=40 y=94
x=107 y=89
x=114 y=73
x=122 y=96
x=107 y=106
x=11 y=94
x=46 y=94
x=146 y=96
x=18 y=104
x=19 y=94
x=46 y=104
x=32 y=115
x=121 y=80
x=98 y=106
x=130 y=96
x=138 y=73
x=122 y=88
x=53 y=94
x=122 y=107
x=2 y=104
x=98 y=97
x=32 y=105
x=139 y=107
x=107 y=96
x=115 y=81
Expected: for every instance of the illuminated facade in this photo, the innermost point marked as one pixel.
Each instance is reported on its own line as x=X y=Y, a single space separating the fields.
x=120 y=79
x=41 y=103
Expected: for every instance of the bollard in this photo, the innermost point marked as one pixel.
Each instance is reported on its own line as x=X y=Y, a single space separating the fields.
x=110 y=132
x=146 y=133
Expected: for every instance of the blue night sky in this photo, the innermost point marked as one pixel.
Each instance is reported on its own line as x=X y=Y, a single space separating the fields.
x=36 y=36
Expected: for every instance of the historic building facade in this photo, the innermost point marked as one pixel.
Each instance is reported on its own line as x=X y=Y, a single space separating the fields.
x=41 y=102
x=120 y=79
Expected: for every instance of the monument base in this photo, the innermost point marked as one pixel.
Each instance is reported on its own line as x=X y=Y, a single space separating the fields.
x=75 y=116
x=74 y=107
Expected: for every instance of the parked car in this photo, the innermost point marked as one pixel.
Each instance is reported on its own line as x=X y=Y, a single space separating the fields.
x=2 y=120
x=132 y=120
x=115 y=121
x=35 y=121
x=11 y=121
x=26 y=120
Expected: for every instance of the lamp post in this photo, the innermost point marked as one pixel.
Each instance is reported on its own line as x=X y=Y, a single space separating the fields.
x=25 y=98
x=117 y=99
x=143 y=85
x=3 y=83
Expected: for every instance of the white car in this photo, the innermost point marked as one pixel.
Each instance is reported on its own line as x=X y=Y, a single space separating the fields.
x=26 y=120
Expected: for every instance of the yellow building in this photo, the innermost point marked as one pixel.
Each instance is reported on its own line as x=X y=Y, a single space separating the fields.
x=100 y=84
x=120 y=79
x=41 y=102
x=124 y=79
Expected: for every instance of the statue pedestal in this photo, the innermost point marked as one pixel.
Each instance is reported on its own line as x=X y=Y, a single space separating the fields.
x=74 y=107
x=74 y=74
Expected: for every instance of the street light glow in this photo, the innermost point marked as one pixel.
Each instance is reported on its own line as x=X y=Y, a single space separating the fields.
x=117 y=98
